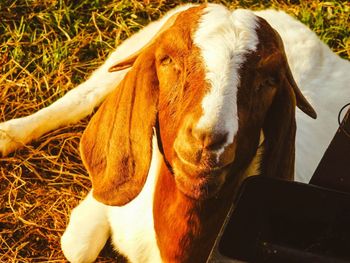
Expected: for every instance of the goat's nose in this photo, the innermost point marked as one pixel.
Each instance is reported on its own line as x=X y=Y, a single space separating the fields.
x=210 y=140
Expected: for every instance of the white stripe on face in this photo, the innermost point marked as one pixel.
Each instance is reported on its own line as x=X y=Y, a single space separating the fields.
x=223 y=38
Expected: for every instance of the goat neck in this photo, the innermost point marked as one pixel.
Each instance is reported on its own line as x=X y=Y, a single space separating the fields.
x=186 y=228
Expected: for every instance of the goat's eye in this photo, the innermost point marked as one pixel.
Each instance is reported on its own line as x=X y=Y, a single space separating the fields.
x=269 y=82
x=166 y=60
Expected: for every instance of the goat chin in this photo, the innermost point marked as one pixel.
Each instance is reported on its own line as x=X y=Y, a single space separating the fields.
x=200 y=187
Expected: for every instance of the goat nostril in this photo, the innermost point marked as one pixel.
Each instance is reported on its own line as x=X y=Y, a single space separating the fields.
x=210 y=140
x=215 y=141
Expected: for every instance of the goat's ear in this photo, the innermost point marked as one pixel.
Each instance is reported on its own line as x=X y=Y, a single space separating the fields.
x=116 y=145
x=301 y=101
x=280 y=126
x=279 y=130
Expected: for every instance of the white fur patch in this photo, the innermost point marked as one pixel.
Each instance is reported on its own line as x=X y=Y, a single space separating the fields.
x=224 y=39
x=132 y=225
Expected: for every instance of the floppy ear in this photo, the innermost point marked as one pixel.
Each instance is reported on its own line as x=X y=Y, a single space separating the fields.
x=116 y=145
x=301 y=101
x=280 y=126
x=279 y=130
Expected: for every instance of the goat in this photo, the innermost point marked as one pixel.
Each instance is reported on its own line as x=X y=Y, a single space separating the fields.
x=322 y=76
x=215 y=92
x=197 y=195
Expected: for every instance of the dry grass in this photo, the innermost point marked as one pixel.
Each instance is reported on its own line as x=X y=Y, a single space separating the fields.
x=47 y=47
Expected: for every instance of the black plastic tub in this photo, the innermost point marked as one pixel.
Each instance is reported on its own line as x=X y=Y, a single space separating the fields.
x=280 y=221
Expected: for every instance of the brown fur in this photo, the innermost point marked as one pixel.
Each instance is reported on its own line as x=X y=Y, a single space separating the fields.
x=186 y=228
x=279 y=126
x=117 y=165
x=168 y=79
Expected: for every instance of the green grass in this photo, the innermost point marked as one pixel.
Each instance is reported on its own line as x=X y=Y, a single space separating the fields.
x=46 y=48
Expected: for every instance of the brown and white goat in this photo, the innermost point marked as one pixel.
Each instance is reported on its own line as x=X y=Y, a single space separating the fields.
x=215 y=92
x=322 y=76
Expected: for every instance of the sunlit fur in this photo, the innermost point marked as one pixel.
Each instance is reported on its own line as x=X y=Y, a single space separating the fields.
x=133 y=233
x=133 y=225
x=224 y=40
x=136 y=238
x=323 y=78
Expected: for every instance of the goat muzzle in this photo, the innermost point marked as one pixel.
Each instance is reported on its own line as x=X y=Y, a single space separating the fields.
x=205 y=150
x=199 y=170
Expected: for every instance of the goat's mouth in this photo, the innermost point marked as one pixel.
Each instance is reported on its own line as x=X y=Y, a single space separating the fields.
x=198 y=181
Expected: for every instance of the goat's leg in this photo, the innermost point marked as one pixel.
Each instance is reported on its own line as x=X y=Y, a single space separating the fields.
x=87 y=231
x=72 y=107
